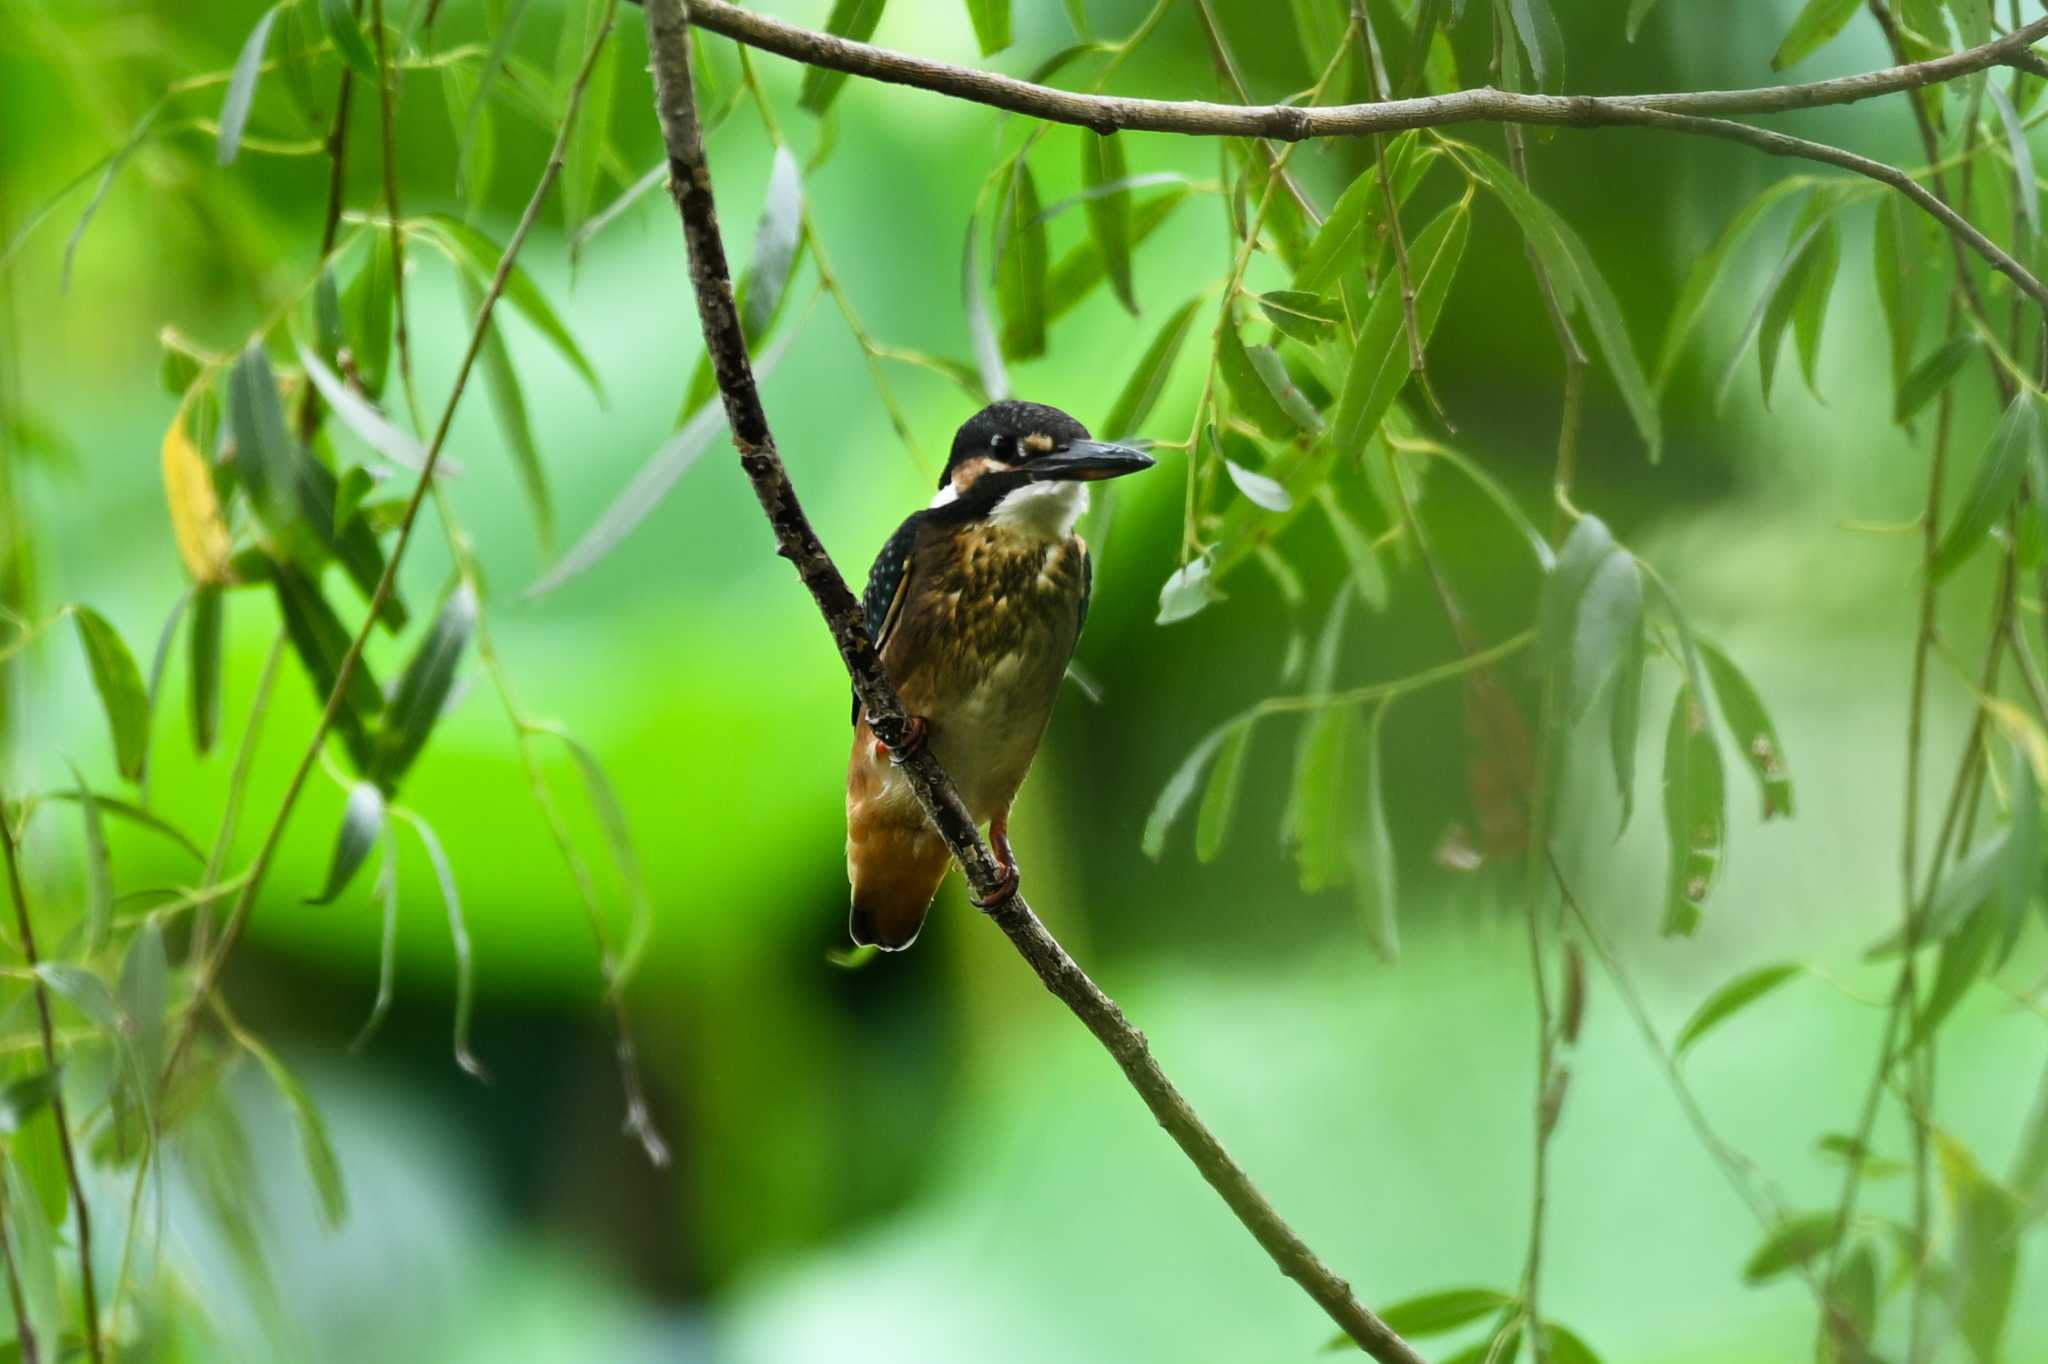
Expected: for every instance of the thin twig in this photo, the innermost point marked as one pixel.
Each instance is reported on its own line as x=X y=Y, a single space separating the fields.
x=1381 y=89
x=89 y=1305
x=238 y=783
x=24 y=1330
x=690 y=183
x=337 y=178
x=387 y=116
x=209 y=975
x=1226 y=66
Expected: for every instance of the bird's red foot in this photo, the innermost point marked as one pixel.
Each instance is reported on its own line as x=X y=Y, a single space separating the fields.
x=915 y=732
x=1006 y=863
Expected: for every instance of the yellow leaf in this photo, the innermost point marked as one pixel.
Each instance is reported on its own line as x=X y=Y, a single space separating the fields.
x=195 y=511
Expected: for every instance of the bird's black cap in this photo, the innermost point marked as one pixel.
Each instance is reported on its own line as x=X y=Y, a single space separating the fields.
x=1012 y=432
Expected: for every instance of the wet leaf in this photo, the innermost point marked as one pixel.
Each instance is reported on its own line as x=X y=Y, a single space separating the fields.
x=1109 y=209
x=1749 y=724
x=423 y=690
x=1219 y=798
x=1732 y=998
x=362 y=822
x=1141 y=391
x=118 y=683
x=1695 y=810
x=854 y=19
x=234 y=107
x=1995 y=484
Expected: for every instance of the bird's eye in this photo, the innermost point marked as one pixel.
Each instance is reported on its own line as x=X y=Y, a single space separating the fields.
x=998 y=443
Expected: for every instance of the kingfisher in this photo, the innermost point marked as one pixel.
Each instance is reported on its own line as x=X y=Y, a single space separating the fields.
x=975 y=605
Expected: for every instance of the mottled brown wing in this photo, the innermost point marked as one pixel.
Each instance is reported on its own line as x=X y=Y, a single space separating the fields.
x=888 y=585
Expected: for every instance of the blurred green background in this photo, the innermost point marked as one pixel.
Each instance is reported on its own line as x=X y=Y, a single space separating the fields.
x=926 y=1159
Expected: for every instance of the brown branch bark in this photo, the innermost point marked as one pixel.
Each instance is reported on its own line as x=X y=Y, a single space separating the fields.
x=1111 y=113
x=690 y=184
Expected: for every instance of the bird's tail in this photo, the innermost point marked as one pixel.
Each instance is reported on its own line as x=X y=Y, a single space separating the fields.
x=896 y=870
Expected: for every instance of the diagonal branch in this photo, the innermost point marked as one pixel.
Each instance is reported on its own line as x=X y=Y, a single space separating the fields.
x=690 y=183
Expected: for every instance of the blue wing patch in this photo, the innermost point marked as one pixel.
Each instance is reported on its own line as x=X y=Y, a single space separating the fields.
x=883 y=600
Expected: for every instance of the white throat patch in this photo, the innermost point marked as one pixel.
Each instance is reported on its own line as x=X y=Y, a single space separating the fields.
x=1044 y=511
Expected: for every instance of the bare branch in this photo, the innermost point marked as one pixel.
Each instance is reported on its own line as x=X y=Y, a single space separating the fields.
x=1111 y=113
x=690 y=183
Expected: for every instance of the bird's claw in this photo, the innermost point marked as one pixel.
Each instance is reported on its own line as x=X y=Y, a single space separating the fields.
x=915 y=731
x=1004 y=889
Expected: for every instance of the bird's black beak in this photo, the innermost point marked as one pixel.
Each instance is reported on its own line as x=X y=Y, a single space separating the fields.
x=1086 y=461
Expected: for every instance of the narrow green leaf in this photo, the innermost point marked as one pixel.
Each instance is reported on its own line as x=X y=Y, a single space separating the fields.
x=1749 y=724
x=1819 y=21
x=369 y=425
x=2022 y=160
x=1252 y=398
x=204 y=640
x=1434 y=1313
x=85 y=992
x=1793 y=1242
x=321 y=1162
x=1573 y=270
x=1280 y=383
x=1589 y=545
x=234 y=107
x=1624 y=722
x=33 y=1246
x=611 y=817
x=1541 y=38
x=508 y=402
x=481 y=256
x=1308 y=318
x=1707 y=273
x=1567 y=1348
x=458 y=936
x=347 y=36
x=583 y=157
x=1809 y=273
x=1081 y=268
x=1900 y=265
x=115 y=807
x=1018 y=247
x=1185 y=593
x=367 y=314
x=1996 y=483
x=1966 y=956
x=1380 y=362
x=1367 y=573
x=1322 y=783
x=1501 y=1348
x=1638 y=10
x=2022 y=861
x=1141 y=391
x=99 y=870
x=1371 y=850
x=362 y=821
x=22 y=1099
x=145 y=993
x=1608 y=621
x=1695 y=810
x=1984 y=1263
x=1109 y=209
x=854 y=19
x=1736 y=995
x=423 y=690
x=988 y=353
x=1179 y=788
x=119 y=684
x=321 y=641
x=1810 y=307
x=991 y=24
x=269 y=462
x=1931 y=376
x=1355 y=222
x=1219 y=798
